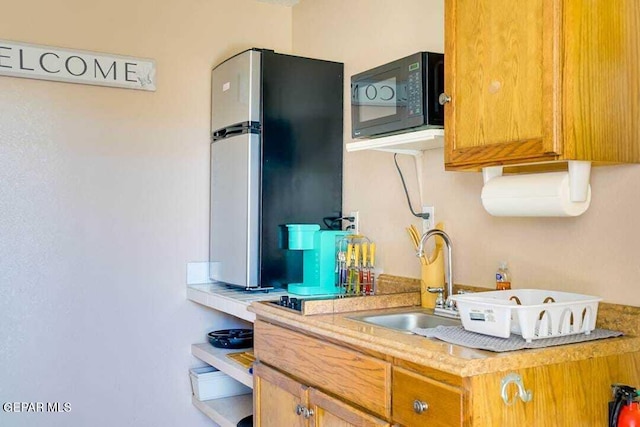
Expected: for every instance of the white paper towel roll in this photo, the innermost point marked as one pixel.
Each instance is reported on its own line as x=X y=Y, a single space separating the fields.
x=542 y=194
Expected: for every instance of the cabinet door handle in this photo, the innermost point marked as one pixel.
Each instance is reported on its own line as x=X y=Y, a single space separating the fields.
x=444 y=99
x=420 y=406
x=300 y=409
x=307 y=413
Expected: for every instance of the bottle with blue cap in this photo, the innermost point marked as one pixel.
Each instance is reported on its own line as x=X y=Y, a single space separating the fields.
x=503 y=277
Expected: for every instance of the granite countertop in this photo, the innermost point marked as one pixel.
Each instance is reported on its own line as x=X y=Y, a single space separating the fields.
x=432 y=353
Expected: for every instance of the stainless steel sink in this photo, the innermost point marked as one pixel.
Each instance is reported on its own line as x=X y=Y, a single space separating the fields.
x=407 y=321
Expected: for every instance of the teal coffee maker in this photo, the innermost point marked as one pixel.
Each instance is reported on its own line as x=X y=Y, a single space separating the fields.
x=319 y=258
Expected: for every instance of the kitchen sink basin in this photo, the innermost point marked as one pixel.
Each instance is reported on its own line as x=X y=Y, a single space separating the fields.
x=405 y=322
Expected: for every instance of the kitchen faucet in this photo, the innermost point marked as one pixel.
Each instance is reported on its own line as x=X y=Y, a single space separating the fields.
x=447 y=308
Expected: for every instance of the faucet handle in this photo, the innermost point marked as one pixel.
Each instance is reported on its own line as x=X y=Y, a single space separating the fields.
x=451 y=305
x=440 y=298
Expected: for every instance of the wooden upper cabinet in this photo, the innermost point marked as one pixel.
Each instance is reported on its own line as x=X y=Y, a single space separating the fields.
x=541 y=80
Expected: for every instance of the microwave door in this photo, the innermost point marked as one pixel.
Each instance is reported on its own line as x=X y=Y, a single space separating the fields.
x=376 y=101
x=234 y=222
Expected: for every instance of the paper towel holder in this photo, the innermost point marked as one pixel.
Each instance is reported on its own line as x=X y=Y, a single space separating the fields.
x=579 y=176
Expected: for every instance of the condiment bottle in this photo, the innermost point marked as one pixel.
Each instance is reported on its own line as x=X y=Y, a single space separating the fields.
x=503 y=277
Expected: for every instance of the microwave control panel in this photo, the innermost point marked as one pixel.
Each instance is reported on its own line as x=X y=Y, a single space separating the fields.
x=414 y=90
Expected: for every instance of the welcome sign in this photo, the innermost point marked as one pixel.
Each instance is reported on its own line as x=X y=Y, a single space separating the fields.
x=76 y=66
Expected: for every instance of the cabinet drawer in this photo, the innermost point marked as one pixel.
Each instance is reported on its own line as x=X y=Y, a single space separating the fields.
x=348 y=374
x=443 y=402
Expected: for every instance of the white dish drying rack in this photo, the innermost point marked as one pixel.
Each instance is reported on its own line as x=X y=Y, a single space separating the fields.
x=532 y=313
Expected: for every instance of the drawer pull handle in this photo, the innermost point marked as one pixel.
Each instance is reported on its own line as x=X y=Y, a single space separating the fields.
x=524 y=394
x=419 y=406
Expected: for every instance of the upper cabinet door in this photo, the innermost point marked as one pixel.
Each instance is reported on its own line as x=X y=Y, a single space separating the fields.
x=503 y=76
x=601 y=80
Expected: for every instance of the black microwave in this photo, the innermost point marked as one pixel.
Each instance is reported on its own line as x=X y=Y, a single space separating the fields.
x=399 y=96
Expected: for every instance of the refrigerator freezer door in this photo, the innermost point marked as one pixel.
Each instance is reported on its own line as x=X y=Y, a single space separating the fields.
x=235 y=91
x=235 y=192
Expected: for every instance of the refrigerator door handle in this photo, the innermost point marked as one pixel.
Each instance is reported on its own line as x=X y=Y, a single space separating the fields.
x=237 y=129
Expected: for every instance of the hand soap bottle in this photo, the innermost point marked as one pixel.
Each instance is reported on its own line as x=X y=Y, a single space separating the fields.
x=503 y=277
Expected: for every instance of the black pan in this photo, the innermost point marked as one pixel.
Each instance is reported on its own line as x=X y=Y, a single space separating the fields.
x=231 y=338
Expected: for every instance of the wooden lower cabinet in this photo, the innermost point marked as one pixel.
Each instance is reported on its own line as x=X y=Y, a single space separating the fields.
x=340 y=387
x=281 y=401
x=300 y=380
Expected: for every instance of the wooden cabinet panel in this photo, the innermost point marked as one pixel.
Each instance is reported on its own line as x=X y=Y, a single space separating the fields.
x=330 y=412
x=444 y=403
x=563 y=395
x=358 y=378
x=276 y=398
x=601 y=80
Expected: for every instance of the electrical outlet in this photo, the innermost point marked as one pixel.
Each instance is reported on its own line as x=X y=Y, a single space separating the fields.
x=355 y=224
x=428 y=224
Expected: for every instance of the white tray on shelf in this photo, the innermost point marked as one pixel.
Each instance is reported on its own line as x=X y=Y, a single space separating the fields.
x=532 y=313
x=209 y=383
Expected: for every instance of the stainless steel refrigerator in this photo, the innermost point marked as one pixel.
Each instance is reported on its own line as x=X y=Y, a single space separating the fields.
x=276 y=158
